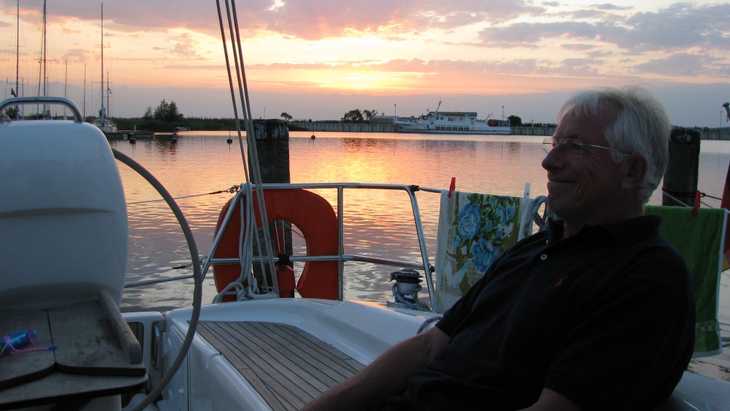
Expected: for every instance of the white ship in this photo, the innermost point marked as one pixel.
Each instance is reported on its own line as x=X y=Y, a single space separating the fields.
x=451 y=122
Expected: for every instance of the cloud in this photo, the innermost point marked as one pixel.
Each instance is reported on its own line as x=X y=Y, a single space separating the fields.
x=609 y=6
x=550 y=3
x=215 y=67
x=599 y=53
x=185 y=47
x=676 y=27
x=312 y=19
x=578 y=67
x=588 y=14
x=684 y=64
x=527 y=34
x=76 y=55
x=680 y=25
x=436 y=68
x=577 y=46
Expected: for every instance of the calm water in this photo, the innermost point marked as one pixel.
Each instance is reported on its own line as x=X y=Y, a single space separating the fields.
x=377 y=223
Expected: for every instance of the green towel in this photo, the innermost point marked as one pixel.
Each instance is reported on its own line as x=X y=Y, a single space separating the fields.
x=699 y=239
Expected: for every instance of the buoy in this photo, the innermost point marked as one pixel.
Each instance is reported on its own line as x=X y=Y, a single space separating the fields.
x=313 y=137
x=229 y=140
x=316 y=219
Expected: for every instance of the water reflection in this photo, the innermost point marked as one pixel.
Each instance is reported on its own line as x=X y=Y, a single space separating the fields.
x=377 y=223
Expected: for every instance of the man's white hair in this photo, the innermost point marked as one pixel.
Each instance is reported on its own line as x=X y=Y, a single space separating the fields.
x=641 y=126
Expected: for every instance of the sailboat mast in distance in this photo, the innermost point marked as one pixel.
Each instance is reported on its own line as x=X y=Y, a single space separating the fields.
x=84 y=98
x=102 y=112
x=108 y=94
x=65 y=86
x=17 y=50
x=45 y=49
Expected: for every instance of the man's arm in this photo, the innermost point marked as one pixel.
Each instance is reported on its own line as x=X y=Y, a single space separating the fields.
x=385 y=376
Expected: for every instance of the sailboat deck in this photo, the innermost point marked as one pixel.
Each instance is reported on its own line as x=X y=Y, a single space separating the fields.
x=716 y=366
x=285 y=365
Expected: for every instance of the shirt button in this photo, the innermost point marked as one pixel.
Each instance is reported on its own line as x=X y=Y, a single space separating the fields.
x=543 y=257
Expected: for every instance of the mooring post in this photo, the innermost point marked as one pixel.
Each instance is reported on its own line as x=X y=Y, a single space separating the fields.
x=680 y=179
x=272 y=142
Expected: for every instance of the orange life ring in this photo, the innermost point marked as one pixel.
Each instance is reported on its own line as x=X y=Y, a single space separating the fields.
x=314 y=217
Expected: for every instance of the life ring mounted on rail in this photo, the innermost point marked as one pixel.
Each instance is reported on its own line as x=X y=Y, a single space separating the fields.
x=317 y=221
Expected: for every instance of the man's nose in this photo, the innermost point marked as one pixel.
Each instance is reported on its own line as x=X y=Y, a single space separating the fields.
x=552 y=161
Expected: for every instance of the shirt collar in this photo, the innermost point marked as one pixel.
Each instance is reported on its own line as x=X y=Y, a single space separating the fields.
x=631 y=230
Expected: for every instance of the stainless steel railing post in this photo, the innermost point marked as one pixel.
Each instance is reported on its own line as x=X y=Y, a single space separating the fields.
x=422 y=243
x=219 y=234
x=340 y=242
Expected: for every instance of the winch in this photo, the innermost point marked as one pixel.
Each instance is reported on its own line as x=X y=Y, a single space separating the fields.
x=406 y=287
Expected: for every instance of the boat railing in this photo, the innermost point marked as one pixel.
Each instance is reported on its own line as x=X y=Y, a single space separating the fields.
x=45 y=101
x=341 y=258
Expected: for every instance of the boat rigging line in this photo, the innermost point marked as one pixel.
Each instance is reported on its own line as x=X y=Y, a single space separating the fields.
x=231 y=189
x=242 y=88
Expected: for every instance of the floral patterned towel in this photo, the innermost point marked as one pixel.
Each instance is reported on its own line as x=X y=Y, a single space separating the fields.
x=474 y=229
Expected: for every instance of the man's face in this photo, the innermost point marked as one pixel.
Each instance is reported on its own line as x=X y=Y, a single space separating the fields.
x=584 y=183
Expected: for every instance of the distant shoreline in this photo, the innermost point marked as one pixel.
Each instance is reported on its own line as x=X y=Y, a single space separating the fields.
x=365 y=126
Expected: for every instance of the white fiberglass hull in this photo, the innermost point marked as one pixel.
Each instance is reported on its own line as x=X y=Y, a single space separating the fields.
x=209 y=380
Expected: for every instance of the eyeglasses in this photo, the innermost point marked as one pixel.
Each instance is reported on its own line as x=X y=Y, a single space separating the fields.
x=569 y=145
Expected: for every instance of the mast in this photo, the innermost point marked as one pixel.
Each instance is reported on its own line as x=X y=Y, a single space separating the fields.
x=102 y=113
x=42 y=64
x=17 y=50
x=45 y=49
x=84 y=98
x=108 y=93
x=65 y=86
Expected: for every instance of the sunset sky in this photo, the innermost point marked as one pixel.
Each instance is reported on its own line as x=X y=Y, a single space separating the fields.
x=319 y=58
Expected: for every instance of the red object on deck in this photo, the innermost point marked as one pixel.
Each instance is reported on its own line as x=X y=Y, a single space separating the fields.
x=725 y=203
x=314 y=217
x=697 y=203
x=452 y=186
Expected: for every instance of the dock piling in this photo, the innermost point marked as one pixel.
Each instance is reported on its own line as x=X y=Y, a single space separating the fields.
x=680 y=178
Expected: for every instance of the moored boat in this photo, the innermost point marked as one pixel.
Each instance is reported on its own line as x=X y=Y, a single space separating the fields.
x=451 y=122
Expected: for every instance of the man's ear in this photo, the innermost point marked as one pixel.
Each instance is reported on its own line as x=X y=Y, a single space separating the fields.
x=635 y=171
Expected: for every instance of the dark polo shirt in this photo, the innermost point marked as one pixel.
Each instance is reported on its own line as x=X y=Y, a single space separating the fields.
x=605 y=318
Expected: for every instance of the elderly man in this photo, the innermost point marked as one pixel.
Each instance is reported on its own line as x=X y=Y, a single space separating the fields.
x=595 y=313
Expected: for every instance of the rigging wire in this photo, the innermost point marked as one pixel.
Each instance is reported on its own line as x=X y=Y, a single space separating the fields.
x=714 y=197
x=250 y=136
x=233 y=95
x=231 y=189
x=675 y=199
x=252 y=148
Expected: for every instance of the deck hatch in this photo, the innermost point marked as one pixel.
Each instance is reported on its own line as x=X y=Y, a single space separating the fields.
x=288 y=367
